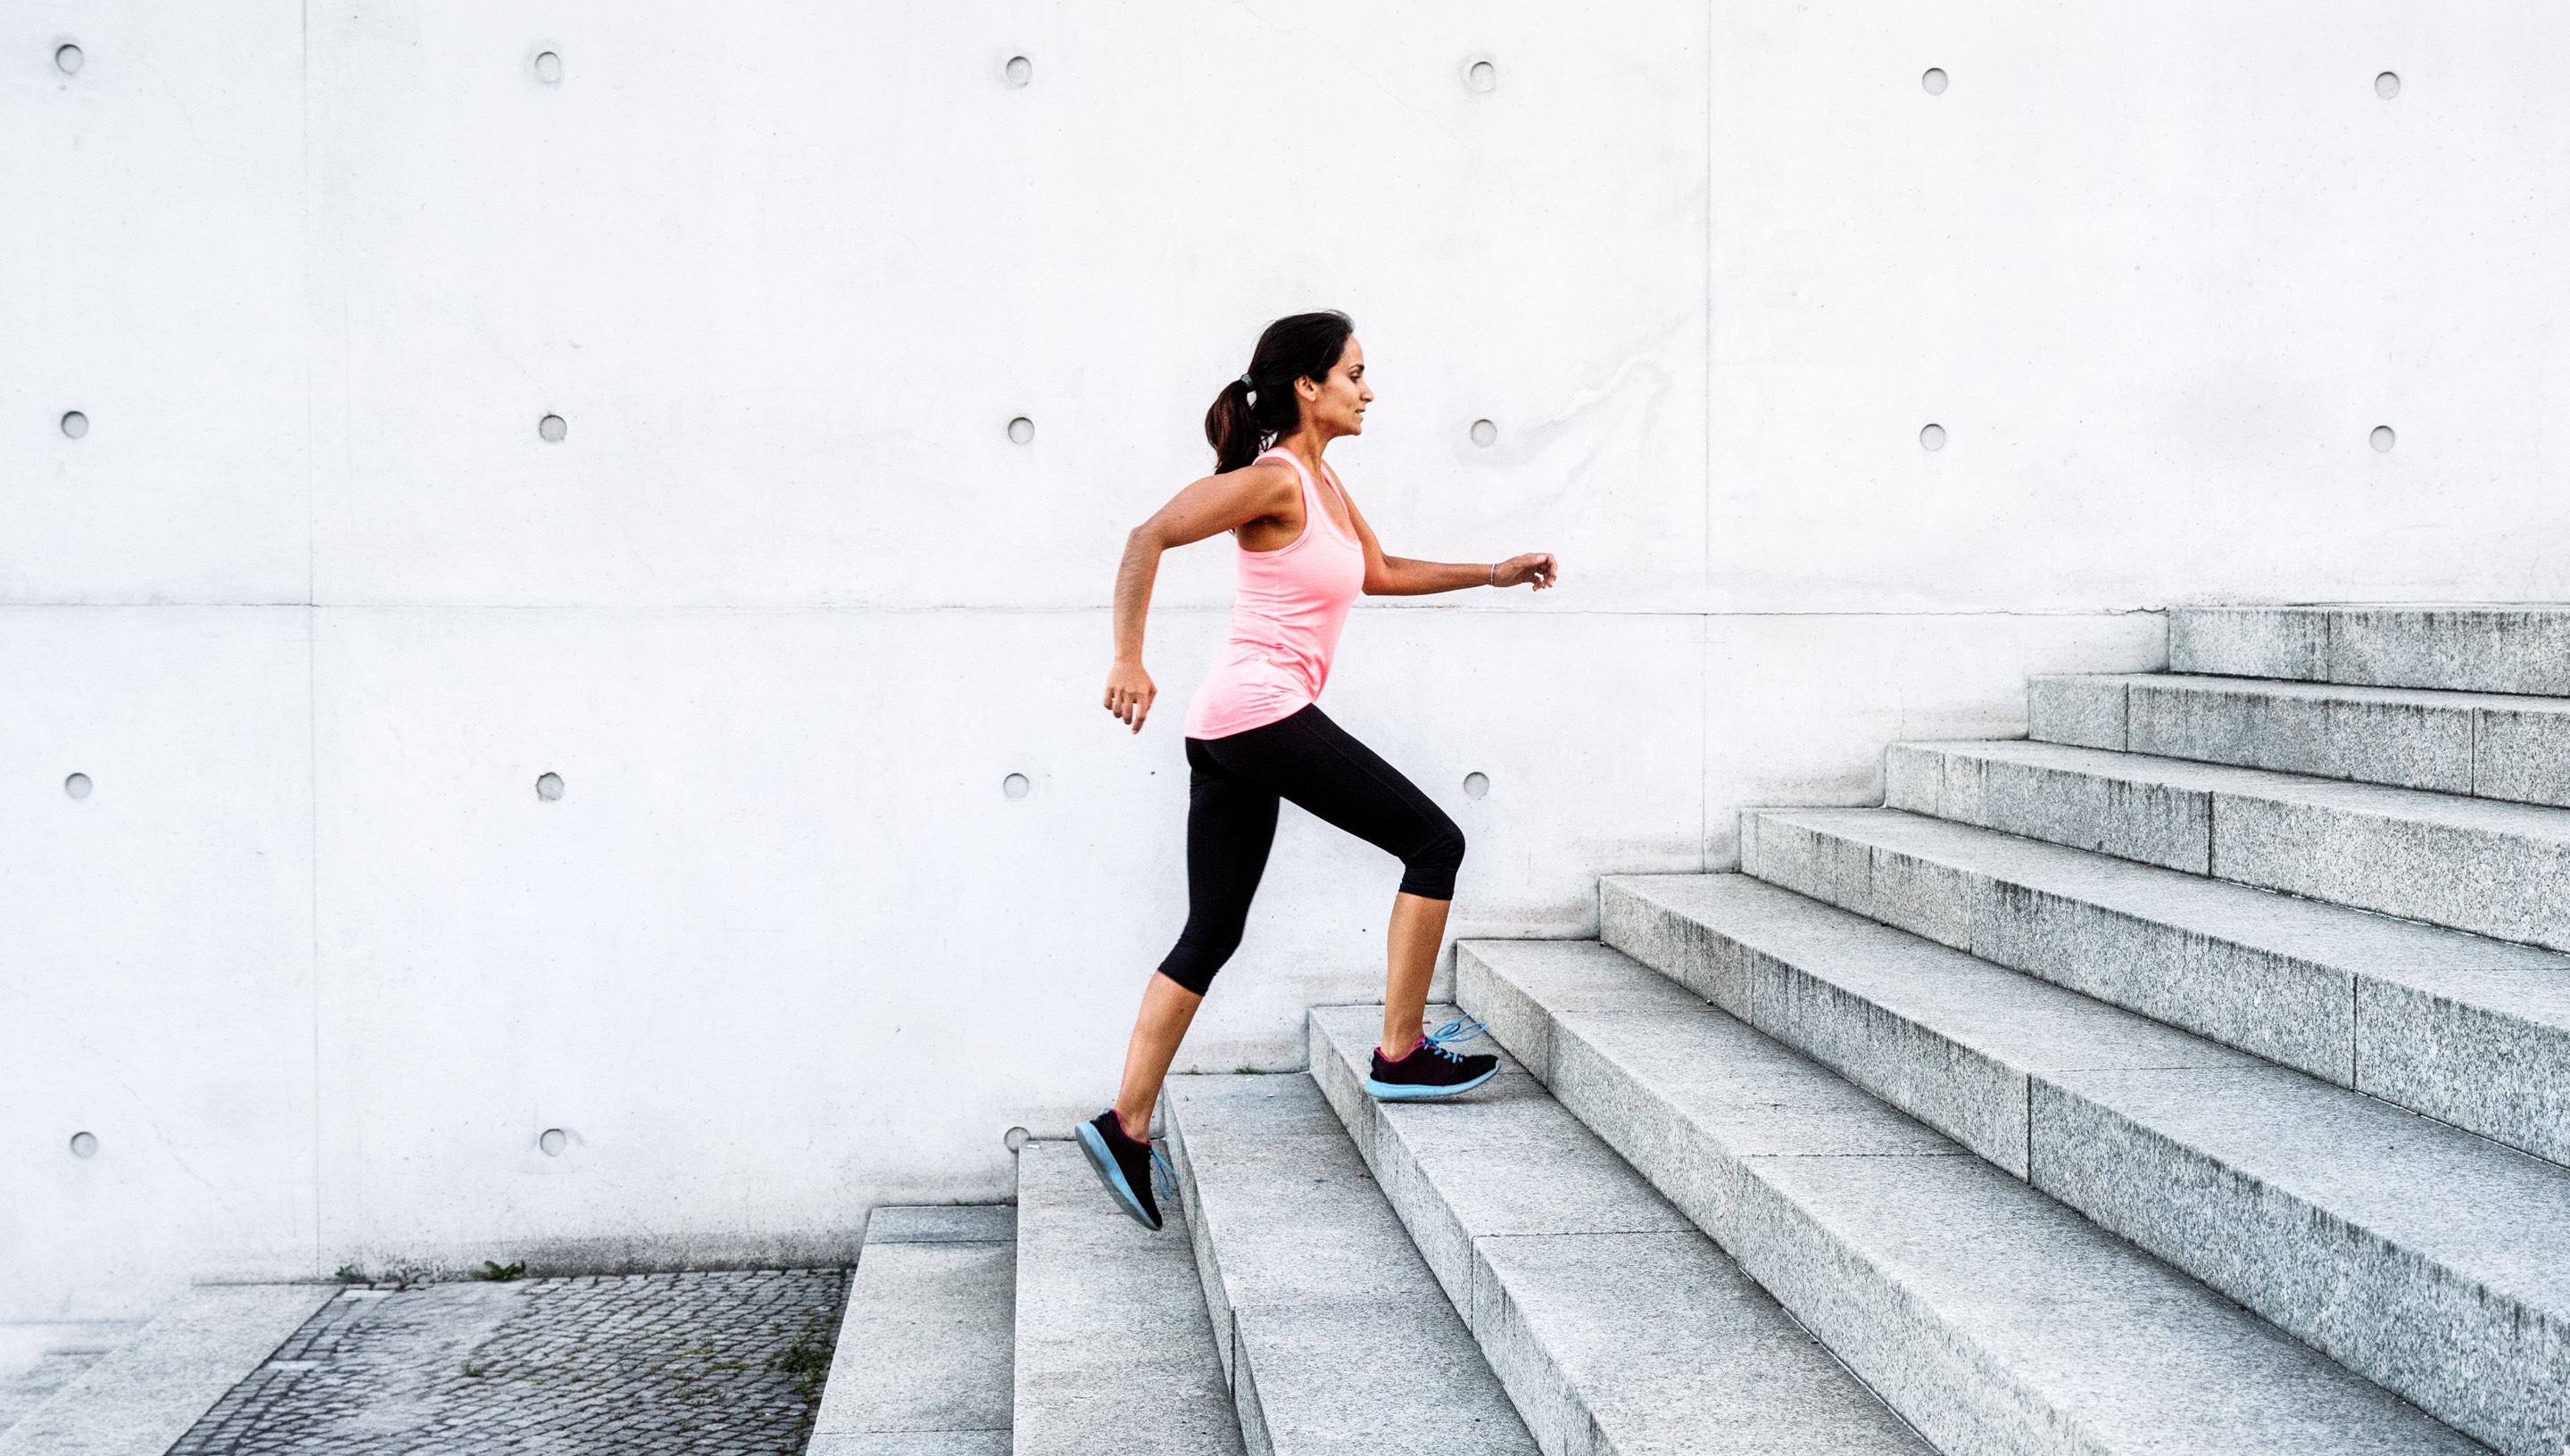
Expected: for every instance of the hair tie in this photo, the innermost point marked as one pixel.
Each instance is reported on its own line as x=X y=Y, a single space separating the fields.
x=1246 y=383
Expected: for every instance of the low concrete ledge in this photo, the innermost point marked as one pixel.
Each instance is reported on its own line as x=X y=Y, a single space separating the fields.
x=144 y=1395
x=923 y=1364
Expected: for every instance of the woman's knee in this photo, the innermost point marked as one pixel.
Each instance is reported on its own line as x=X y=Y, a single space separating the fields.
x=1193 y=960
x=1430 y=870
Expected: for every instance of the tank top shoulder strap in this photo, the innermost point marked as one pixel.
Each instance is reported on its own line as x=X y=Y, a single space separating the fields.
x=1279 y=452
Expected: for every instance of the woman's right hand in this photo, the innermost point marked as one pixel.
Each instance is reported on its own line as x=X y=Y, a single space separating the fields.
x=1129 y=692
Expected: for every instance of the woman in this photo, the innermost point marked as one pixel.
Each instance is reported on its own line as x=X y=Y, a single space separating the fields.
x=1255 y=732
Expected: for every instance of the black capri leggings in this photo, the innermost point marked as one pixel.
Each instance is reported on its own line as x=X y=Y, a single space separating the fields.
x=1233 y=784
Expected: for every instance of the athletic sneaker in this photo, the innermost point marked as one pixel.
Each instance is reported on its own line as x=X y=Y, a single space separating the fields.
x=1433 y=1068
x=1126 y=1168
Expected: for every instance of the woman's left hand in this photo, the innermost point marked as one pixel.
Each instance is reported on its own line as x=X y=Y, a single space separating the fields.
x=1535 y=567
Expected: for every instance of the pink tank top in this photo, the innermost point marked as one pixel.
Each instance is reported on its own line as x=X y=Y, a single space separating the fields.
x=1285 y=621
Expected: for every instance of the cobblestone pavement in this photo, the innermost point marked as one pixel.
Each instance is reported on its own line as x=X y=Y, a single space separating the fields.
x=724 y=1364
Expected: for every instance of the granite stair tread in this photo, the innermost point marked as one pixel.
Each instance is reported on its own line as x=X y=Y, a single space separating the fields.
x=2472 y=1030
x=1334 y=1334
x=2432 y=1260
x=1992 y=1317
x=2495 y=869
x=1110 y=1322
x=2508 y=648
x=1615 y=1326
x=2485 y=745
x=923 y=1364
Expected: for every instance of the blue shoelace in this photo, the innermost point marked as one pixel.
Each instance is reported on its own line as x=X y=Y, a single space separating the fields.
x=1462 y=1028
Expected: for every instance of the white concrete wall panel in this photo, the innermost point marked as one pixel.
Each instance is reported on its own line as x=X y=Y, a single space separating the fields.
x=154 y=239
x=787 y=274
x=1798 y=708
x=2159 y=271
x=786 y=605
x=157 y=992
x=785 y=946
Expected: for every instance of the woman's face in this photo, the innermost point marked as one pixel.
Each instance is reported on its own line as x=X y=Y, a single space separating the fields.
x=1336 y=406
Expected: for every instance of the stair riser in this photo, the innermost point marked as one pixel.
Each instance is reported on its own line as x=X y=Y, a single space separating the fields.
x=2486 y=882
x=2464 y=1352
x=2466 y=651
x=2519 y=754
x=2503 y=1077
x=1543 y=1393
x=1335 y=1333
x=2487 y=1364
x=2288 y=1010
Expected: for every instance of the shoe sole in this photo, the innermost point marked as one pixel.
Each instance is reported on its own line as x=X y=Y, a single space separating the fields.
x=1093 y=1142
x=1414 y=1092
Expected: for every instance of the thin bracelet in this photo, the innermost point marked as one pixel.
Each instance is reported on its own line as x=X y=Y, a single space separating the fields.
x=1495 y=576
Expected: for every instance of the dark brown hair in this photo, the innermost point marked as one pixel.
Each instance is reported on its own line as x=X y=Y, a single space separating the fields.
x=1260 y=407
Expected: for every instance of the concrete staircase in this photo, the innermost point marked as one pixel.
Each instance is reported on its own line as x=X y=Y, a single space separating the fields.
x=2188 y=1079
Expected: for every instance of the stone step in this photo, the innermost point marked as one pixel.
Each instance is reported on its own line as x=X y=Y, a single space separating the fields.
x=39 y=1357
x=2479 y=744
x=1109 y=1324
x=1334 y=1334
x=2501 y=648
x=1989 y=1315
x=139 y=1398
x=2475 y=865
x=2431 y=1261
x=924 y=1363
x=1614 y=1324
x=2461 y=1028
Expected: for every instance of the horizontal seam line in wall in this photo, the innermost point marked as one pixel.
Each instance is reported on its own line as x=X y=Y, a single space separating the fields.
x=858 y=610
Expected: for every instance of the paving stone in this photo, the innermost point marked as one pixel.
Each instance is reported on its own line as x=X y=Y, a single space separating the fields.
x=678 y=1364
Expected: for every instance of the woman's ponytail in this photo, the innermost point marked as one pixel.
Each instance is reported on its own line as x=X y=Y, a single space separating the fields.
x=1260 y=407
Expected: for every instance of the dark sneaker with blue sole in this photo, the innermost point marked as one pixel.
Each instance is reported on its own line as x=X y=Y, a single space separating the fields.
x=1433 y=1068
x=1124 y=1166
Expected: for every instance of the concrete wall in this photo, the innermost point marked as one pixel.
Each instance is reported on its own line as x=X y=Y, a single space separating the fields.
x=312 y=605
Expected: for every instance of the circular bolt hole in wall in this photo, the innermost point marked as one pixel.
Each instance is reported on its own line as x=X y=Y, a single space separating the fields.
x=1932 y=438
x=1482 y=76
x=549 y=787
x=553 y=1140
x=549 y=68
x=1484 y=433
x=1016 y=786
x=1020 y=70
x=84 y=1145
x=1016 y=1138
x=1476 y=785
x=551 y=429
x=1021 y=430
x=68 y=59
x=77 y=786
x=2383 y=439
x=2387 y=85
x=75 y=424
x=1933 y=81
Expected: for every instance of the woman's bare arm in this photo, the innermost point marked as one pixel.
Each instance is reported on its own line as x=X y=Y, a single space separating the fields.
x=1215 y=504
x=1405 y=577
